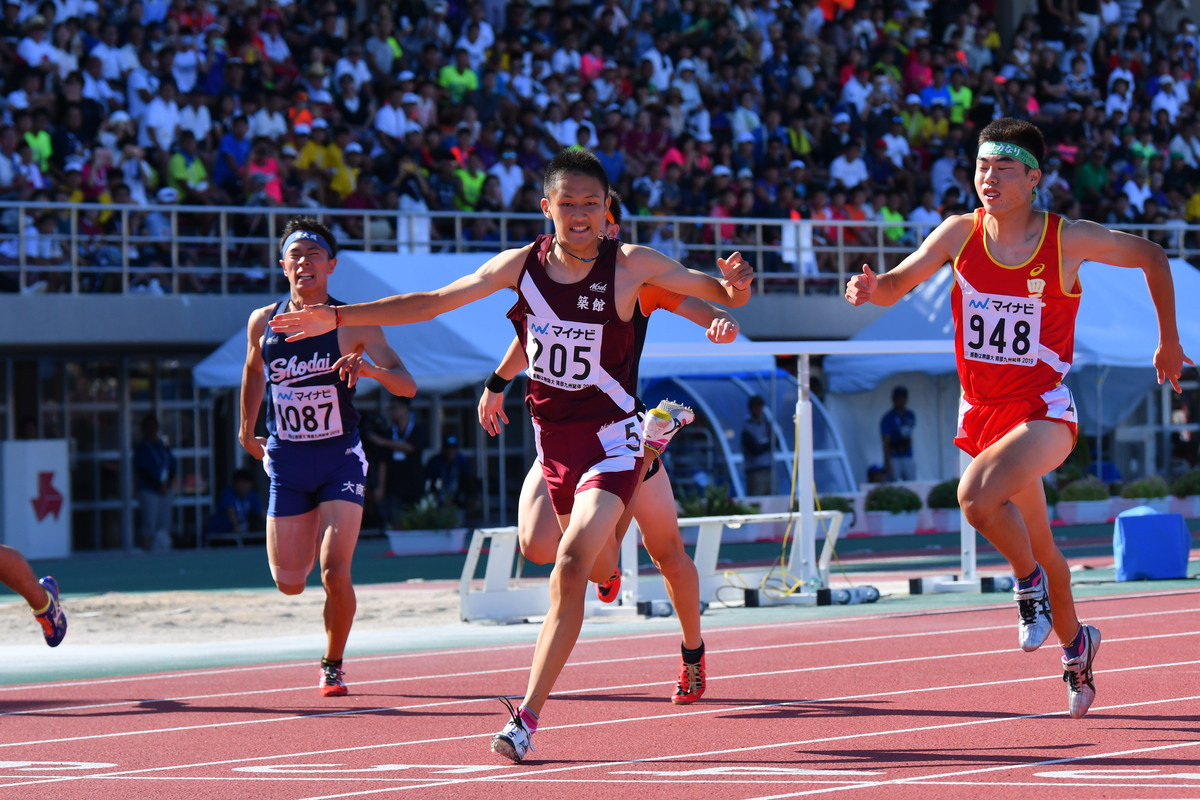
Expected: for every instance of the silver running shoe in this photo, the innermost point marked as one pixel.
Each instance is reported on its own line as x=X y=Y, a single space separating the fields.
x=1077 y=672
x=662 y=423
x=514 y=740
x=1033 y=604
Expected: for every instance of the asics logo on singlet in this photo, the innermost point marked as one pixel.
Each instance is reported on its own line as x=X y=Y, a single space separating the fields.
x=598 y=287
x=284 y=369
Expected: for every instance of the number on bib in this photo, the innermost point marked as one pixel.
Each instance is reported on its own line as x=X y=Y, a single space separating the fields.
x=1002 y=330
x=307 y=413
x=563 y=354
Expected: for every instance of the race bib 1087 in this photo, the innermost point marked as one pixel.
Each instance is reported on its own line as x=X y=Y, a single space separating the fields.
x=306 y=413
x=1001 y=329
x=563 y=354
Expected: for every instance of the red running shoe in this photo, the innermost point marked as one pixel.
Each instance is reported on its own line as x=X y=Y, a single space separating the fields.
x=331 y=683
x=690 y=686
x=610 y=589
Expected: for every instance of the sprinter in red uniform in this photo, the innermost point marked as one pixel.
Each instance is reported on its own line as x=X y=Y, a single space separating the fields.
x=1016 y=294
x=575 y=301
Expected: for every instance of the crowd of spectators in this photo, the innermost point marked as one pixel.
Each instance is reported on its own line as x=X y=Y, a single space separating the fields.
x=738 y=109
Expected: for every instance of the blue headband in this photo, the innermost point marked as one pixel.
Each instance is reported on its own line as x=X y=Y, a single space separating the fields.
x=308 y=236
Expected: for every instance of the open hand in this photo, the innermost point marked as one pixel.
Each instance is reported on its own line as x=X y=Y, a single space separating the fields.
x=308 y=321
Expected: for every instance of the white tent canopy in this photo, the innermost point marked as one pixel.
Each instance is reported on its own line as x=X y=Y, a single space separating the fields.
x=463 y=346
x=1115 y=338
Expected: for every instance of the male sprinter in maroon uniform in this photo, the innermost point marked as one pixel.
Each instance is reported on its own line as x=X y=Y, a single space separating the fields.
x=575 y=303
x=1015 y=297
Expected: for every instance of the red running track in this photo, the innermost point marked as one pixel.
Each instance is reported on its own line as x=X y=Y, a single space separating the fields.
x=885 y=706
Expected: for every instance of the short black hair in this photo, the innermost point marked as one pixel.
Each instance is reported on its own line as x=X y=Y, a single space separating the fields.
x=575 y=161
x=614 y=206
x=311 y=224
x=1016 y=131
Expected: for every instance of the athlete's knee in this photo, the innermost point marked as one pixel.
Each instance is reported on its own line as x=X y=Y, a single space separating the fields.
x=538 y=552
x=673 y=562
x=569 y=570
x=289 y=581
x=335 y=579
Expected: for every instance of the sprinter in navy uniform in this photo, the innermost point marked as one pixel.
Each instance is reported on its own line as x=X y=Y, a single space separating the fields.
x=313 y=454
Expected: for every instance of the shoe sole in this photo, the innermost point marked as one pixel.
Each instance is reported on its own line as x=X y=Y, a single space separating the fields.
x=685 y=700
x=504 y=747
x=51 y=586
x=334 y=691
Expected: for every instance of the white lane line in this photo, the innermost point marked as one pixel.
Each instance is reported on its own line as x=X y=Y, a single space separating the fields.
x=610 y=661
x=606 y=640
x=647 y=718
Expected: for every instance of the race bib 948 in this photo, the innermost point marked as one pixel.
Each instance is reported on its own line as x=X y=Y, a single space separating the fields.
x=562 y=354
x=306 y=413
x=1000 y=329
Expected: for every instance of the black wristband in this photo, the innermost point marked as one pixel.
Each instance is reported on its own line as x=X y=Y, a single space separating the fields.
x=496 y=384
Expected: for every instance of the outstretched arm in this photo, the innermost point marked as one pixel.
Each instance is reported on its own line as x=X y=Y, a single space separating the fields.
x=939 y=248
x=1092 y=242
x=499 y=272
x=655 y=268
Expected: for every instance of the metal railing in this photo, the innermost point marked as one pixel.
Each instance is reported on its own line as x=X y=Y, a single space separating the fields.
x=108 y=248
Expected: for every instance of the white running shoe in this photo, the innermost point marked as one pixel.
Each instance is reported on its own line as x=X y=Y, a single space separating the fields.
x=662 y=423
x=1077 y=672
x=514 y=740
x=1033 y=604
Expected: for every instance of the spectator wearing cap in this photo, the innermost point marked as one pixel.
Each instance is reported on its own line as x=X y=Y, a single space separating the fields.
x=316 y=159
x=684 y=80
x=348 y=164
x=458 y=78
x=316 y=83
x=34 y=49
x=1165 y=98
